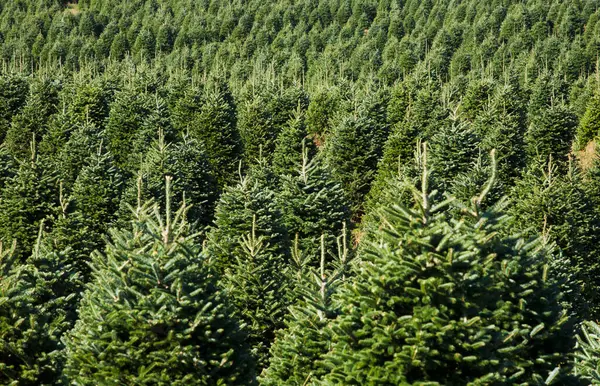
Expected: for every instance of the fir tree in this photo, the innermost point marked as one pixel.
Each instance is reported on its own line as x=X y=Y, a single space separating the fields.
x=289 y=147
x=298 y=348
x=37 y=307
x=589 y=127
x=587 y=355
x=546 y=201
x=28 y=198
x=153 y=313
x=32 y=121
x=474 y=307
x=551 y=132
x=356 y=146
x=313 y=204
x=249 y=205
x=125 y=119
x=208 y=115
x=258 y=284
x=187 y=164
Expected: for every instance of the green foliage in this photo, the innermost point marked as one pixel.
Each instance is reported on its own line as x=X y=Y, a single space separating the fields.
x=209 y=116
x=551 y=133
x=37 y=307
x=246 y=207
x=298 y=347
x=290 y=146
x=559 y=206
x=587 y=356
x=474 y=306
x=194 y=183
x=355 y=147
x=313 y=204
x=262 y=115
x=124 y=121
x=153 y=313
x=589 y=126
x=257 y=281
x=28 y=198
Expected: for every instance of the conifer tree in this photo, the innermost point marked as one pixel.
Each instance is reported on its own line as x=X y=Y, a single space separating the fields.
x=262 y=115
x=257 y=282
x=417 y=113
x=551 y=132
x=557 y=204
x=29 y=197
x=187 y=164
x=298 y=348
x=32 y=121
x=355 y=147
x=454 y=150
x=313 y=204
x=153 y=313
x=249 y=205
x=75 y=153
x=12 y=98
x=289 y=146
x=589 y=127
x=127 y=112
x=209 y=116
x=37 y=307
x=446 y=300
x=587 y=355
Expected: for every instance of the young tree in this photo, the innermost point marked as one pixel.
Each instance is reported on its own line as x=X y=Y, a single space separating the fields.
x=30 y=196
x=153 y=312
x=313 y=204
x=290 y=145
x=559 y=205
x=209 y=116
x=195 y=184
x=587 y=355
x=589 y=127
x=298 y=348
x=447 y=300
x=258 y=283
x=355 y=147
x=551 y=133
x=249 y=205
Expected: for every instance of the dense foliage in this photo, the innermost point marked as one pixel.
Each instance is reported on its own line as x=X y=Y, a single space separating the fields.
x=299 y=192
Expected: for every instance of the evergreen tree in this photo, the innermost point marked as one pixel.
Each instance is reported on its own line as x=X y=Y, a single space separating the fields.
x=209 y=116
x=28 y=198
x=153 y=313
x=551 y=133
x=258 y=284
x=289 y=147
x=12 y=98
x=313 y=204
x=249 y=205
x=454 y=150
x=263 y=114
x=32 y=121
x=127 y=112
x=298 y=348
x=587 y=355
x=589 y=127
x=546 y=201
x=37 y=307
x=186 y=162
x=474 y=307
x=355 y=147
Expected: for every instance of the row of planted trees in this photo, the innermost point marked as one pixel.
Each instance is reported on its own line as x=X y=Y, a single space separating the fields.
x=316 y=170
x=439 y=290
